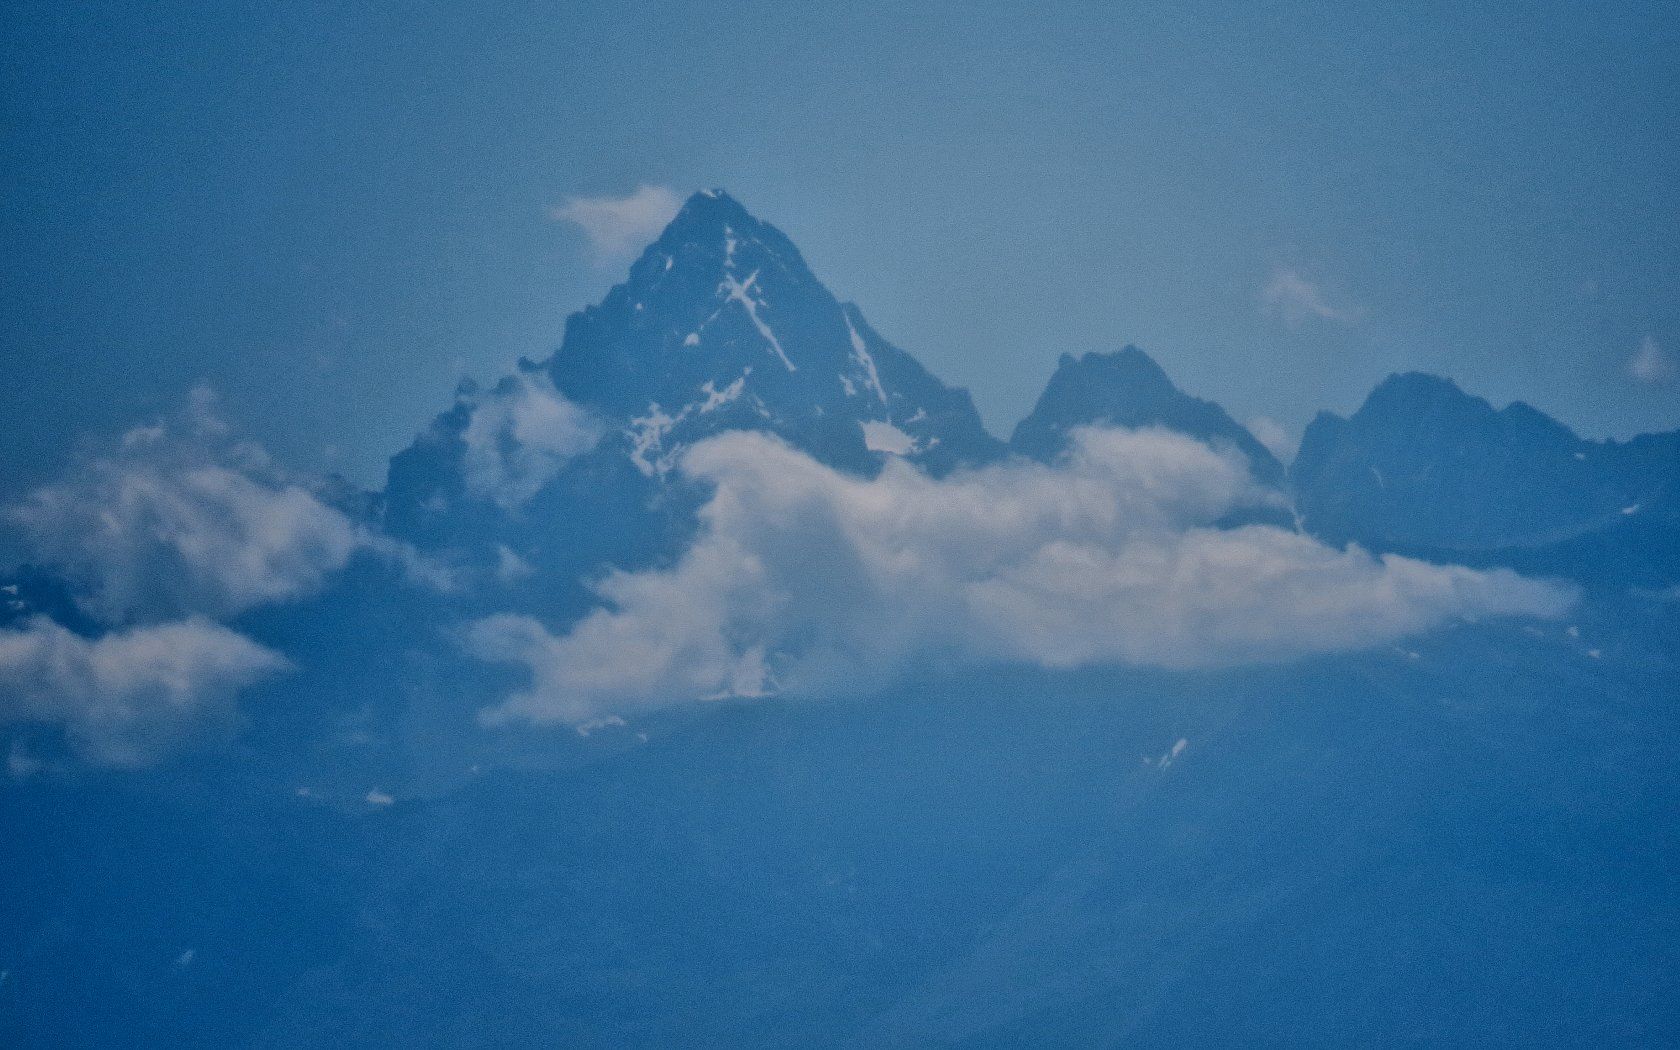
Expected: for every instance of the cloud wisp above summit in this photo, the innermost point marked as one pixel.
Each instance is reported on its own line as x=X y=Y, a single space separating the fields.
x=1295 y=300
x=619 y=227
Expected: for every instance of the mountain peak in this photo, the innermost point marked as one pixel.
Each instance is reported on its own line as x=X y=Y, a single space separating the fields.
x=722 y=325
x=1425 y=464
x=1439 y=405
x=1410 y=392
x=719 y=326
x=1127 y=388
x=712 y=219
x=715 y=247
x=711 y=210
x=1128 y=363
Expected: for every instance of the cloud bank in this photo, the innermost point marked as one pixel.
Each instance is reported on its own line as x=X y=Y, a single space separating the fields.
x=620 y=226
x=807 y=580
x=179 y=521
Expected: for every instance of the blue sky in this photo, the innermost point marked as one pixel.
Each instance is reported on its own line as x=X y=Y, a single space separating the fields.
x=330 y=214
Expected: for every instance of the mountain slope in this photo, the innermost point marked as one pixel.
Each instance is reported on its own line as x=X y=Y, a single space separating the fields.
x=1468 y=841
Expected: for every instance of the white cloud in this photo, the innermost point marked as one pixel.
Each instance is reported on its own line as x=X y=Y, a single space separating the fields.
x=149 y=539
x=1653 y=363
x=184 y=522
x=805 y=579
x=510 y=567
x=1295 y=300
x=125 y=697
x=520 y=435
x=620 y=226
x=1171 y=754
x=1275 y=436
x=178 y=527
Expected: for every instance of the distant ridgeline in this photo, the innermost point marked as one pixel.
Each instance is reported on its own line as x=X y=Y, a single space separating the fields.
x=1425 y=468
x=721 y=326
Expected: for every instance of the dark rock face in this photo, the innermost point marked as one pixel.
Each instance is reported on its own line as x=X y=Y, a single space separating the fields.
x=1128 y=389
x=722 y=326
x=1424 y=466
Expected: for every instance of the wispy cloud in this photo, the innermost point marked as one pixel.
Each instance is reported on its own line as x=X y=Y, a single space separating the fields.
x=520 y=435
x=809 y=580
x=180 y=526
x=126 y=696
x=620 y=226
x=183 y=519
x=1296 y=300
x=1653 y=363
x=165 y=529
x=1275 y=436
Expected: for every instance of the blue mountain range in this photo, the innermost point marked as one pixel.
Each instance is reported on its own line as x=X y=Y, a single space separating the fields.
x=721 y=326
x=1463 y=838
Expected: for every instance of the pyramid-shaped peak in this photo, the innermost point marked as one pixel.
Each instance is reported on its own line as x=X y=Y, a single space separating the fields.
x=720 y=324
x=1126 y=388
x=1128 y=364
x=1415 y=395
x=712 y=216
x=713 y=207
x=713 y=234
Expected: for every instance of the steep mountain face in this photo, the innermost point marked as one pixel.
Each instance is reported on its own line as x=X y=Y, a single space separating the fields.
x=1127 y=388
x=1469 y=842
x=1423 y=465
x=720 y=326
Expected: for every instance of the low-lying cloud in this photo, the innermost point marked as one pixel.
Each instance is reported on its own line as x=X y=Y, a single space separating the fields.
x=178 y=527
x=179 y=522
x=126 y=696
x=803 y=579
x=144 y=539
